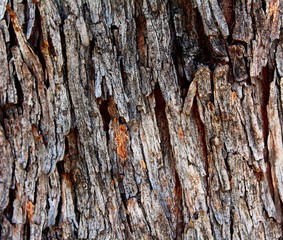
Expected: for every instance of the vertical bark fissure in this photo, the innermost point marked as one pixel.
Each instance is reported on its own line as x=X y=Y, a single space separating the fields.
x=38 y=43
x=265 y=97
x=106 y=118
x=204 y=56
x=212 y=170
x=20 y=94
x=177 y=56
x=124 y=201
x=167 y=152
x=201 y=129
x=141 y=40
x=179 y=204
x=9 y=209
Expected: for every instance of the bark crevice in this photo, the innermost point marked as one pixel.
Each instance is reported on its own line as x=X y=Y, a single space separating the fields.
x=141 y=119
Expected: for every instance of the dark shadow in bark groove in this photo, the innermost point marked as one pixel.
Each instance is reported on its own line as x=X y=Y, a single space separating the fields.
x=114 y=33
x=20 y=94
x=206 y=54
x=64 y=55
x=106 y=118
x=62 y=9
x=265 y=87
x=90 y=71
x=34 y=39
x=140 y=21
x=125 y=200
x=179 y=202
x=36 y=43
x=61 y=170
x=27 y=228
x=123 y=74
x=265 y=97
x=229 y=15
x=13 y=38
x=2 y=119
x=177 y=56
x=167 y=153
x=8 y=212
x=263 y=4
x=201 y=130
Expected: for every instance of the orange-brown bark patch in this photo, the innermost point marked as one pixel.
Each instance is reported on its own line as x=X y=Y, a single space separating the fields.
x=121 y=139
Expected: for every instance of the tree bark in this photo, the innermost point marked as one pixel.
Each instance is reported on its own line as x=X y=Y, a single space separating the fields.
x=141 y=119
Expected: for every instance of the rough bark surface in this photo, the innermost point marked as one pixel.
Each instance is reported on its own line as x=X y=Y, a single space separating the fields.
x=141 y=119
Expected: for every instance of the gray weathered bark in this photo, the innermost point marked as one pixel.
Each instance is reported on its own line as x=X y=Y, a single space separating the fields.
x=141 y=119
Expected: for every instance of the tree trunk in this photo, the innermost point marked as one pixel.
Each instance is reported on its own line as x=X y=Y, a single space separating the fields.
x=141 y=119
